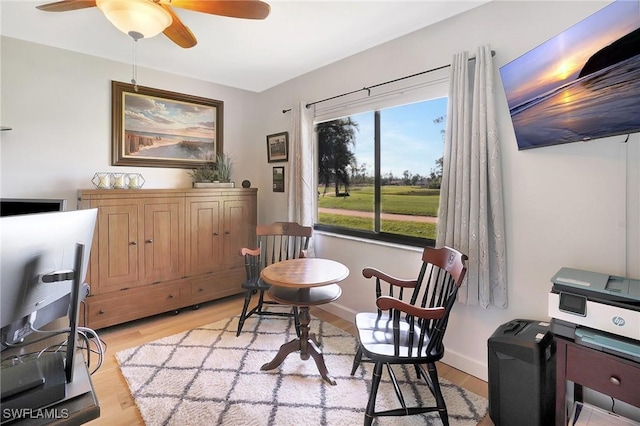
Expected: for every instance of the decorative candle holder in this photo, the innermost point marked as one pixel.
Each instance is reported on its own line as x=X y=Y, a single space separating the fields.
x=102 y=180
x=135 y=180
x=118 y=180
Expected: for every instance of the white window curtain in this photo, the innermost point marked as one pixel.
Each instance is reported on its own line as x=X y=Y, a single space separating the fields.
x=471 y=215
x=302 y=187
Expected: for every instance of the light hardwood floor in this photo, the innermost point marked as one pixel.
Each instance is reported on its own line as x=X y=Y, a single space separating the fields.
x=117 y=406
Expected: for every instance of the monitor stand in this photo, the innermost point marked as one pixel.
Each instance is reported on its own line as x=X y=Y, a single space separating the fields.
x=74 y=305
x=74 y=313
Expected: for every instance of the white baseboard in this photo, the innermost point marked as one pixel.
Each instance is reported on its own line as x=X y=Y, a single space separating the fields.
x=451 y=358
x=465 y=364
x=339 y=310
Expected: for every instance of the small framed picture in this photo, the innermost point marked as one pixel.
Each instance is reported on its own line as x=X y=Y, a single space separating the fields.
x=278 y=179
x=278 y=147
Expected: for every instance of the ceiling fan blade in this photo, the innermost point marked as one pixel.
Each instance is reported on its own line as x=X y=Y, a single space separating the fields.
x=178 y=32
x=67 y=5
x=248 y=9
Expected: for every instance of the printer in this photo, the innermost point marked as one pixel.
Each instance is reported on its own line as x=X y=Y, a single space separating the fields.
x=597 y=310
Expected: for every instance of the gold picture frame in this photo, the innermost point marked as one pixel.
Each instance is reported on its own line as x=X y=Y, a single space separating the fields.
x=159 y=128
x=278 y=147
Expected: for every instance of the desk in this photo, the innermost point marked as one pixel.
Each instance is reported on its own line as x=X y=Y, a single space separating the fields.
x=78 y=407
x=303 y=283
x=602 y=372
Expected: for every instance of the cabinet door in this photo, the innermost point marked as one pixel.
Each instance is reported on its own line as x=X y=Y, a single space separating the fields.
x=239 y=231
x=163 y=240
x=117 y=248
x=204 y=239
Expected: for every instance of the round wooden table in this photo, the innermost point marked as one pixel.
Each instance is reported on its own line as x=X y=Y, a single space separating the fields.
x=304 y=283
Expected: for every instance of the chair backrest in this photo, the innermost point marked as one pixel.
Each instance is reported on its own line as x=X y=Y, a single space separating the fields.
x=282 y=241
x=277 y=242
x=436 y=286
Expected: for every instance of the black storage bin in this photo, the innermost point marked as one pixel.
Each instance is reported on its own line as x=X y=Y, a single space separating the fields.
x=522 y=374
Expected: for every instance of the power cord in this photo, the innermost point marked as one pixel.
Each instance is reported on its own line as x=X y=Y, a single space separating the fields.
x=88 y=338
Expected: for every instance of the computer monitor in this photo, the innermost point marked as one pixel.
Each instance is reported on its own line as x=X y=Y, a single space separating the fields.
x=35 y=247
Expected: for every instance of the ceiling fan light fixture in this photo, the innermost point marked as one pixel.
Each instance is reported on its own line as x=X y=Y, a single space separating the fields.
x=137 y=18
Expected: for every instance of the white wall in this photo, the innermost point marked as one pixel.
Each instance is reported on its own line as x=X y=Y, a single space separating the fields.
x=573 y=205
x=59 y=106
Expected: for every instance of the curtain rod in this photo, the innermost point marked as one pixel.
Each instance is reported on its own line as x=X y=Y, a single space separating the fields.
x=368 y=89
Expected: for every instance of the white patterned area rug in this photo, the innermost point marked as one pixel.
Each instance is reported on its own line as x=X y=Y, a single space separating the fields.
x=208 y=376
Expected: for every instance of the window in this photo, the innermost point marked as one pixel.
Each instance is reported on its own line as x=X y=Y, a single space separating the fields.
x=379 y=172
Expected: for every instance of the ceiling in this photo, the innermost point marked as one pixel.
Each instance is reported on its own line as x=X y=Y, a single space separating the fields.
x=297 y=37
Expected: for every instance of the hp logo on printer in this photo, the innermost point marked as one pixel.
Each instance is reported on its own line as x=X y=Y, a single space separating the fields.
x=619 y=321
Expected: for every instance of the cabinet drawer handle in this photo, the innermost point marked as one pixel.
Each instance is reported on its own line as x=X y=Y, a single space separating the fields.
x=170 y=296
x=227 y=232
x=201 y=289
x=149 y=241
x=133 y=243
x=614 y=381
x=215 y=233
x=101 y=312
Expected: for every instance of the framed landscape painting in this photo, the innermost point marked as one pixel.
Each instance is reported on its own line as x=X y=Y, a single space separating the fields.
x=157 y=128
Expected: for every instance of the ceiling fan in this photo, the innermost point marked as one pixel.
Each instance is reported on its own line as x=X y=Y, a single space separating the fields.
x=147 y=18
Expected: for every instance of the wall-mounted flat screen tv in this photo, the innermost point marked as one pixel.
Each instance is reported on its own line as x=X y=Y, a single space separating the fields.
x=582 y=84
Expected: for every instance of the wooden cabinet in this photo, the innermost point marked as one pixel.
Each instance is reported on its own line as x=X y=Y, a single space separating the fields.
x=606 y=373
x=140 y=242
x=204 y=235
x=217 y=231
x=115 y=262
x=160 y=250
x=236 y=235
x=162 y=238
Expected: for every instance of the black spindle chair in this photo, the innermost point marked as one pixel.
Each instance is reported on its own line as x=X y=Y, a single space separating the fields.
x=276 y=242
x=410 y=332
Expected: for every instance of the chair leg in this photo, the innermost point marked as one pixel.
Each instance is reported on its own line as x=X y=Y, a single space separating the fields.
x=260 y=302
x=356 y=360
x=243 y=315
x=371 y=405
x=442 y=407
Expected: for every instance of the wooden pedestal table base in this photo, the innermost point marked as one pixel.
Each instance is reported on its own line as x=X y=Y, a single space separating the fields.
x=304 y=283
x=307 y=342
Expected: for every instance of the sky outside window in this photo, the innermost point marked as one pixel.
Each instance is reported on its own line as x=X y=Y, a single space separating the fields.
x=410 y=138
